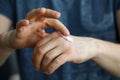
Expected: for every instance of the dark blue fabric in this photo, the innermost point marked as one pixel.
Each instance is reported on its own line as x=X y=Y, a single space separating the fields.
x=93 y=18
x=117 y=4
x=7 y=8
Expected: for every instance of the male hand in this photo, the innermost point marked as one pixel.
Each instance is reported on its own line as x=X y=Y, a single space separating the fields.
x=53 y=51
x=28 y=32
x=41 y=14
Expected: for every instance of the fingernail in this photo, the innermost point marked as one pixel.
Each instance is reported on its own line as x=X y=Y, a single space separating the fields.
x=57 y=14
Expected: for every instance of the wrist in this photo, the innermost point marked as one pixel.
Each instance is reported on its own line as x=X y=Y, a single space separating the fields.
x=100 y=49
x=88 y=44
x=5 y=41
x=93 y=47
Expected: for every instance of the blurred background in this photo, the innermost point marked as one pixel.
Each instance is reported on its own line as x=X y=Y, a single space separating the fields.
x=10 y=69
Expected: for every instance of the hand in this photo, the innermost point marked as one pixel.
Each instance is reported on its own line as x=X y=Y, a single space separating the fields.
x=47 y=16
x=53 y=51
x=28 y=33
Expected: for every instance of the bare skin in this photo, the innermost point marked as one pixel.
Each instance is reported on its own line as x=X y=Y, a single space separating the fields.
x=53 y=51
x=29 y=31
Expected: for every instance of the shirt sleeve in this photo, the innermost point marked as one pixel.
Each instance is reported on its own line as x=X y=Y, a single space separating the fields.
x=6 y=8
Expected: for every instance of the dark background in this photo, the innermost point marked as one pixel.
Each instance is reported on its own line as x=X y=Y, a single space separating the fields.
x=9 y=68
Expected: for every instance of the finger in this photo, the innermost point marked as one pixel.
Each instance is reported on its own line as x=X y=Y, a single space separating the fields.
x=62 y=45
x=35 y=12
x=37 y=27
x=41 y=51
x=60 y=60
x=42 y=12
x=22 y=23
x=49 y=14
x=50 y=56
x=48 y=47
x=56 y=24
x=24 y=28
x=47 y=39
x=37 y=58
x=52 y=13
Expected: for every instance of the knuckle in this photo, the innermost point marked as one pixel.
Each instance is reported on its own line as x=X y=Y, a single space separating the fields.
x=57 y=62
x=59 y=39
x=40 y=51
x=38 y=45
x=54 y=35
x=21 y=22
x=48 y=57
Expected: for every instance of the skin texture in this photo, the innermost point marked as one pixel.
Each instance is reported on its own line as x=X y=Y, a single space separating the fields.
x=28 y=31
x=5 y=24
x=4 y=21
x=53 y=51
x=27 y=34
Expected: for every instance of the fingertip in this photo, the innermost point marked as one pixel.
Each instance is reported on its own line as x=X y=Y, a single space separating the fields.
x=21 y=29
x=66 y=33
x=57 y=14
x=27 y=22
x=42 y=10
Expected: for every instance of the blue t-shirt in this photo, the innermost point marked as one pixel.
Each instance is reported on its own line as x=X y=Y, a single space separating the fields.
x=92 y=18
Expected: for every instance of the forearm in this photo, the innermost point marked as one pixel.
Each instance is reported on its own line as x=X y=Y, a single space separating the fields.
x=5 y=24
x=108 y=56
x=5 y=50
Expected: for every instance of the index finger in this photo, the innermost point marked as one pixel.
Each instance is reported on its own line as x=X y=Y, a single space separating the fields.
x=56 y=24
x=51 y=13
